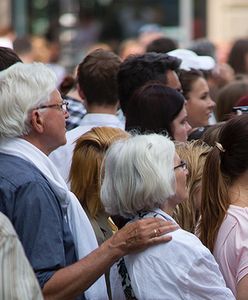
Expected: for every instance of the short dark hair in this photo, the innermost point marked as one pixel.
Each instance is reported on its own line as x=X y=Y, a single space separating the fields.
x=162 y=45
x=8 y=57
x=97 y=77
x=136 y=70
x=153 y=107
x=237 y=56
x=22 y=45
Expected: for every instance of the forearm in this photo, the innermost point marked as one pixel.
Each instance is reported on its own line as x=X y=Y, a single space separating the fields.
x=73 y=280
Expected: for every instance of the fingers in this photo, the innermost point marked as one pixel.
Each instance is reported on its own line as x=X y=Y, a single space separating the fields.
x=154 y=227
x=139 y=235
x=159 y=240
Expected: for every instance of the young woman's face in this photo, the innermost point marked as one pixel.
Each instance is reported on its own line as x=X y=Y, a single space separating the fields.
x=180 y=127
x=199 y=105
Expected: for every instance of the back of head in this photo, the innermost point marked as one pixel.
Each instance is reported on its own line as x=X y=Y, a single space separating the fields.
x=138 y=174
x=203 y=46
x=136 y=70
x=153 y=107
x=22 y=45
x=237 y=58
x=86 y=164
x=233 y=137
x=228 y=97
x=8 y=57
x=211 y=135
x=130 y=47
x=226 y=162
x=162 y=45
x=97 y=77
x=22 y=88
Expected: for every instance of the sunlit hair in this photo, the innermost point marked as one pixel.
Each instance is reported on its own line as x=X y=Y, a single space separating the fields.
x=220 y=171
x=211 y=135
x=86 y=164
x=194 y=153
x=138 y=174
x=23 y=87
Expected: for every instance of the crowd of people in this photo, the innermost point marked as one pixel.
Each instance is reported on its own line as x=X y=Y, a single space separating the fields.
x=127 y=179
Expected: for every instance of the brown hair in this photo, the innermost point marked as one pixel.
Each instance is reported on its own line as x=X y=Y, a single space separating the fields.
x=224 y=164
x=194 y=153
x=228 y=96
x=86 y=165
x=97 y=77
x=211 y=135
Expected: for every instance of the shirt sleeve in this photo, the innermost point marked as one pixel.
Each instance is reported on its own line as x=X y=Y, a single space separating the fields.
x=240 y=237
x=15 y=267
x=205 y=279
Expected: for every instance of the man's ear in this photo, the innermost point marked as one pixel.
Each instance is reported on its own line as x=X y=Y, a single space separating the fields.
x=37 y=121
x=80 y=92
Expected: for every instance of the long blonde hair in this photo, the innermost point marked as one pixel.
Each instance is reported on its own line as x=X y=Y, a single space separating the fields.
x=86 y=165
x=194 y=153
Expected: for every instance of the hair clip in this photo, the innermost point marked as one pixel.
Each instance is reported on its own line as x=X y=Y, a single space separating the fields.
x=220 y=147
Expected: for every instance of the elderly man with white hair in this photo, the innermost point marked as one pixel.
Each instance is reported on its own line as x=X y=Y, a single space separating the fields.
x=56 y=235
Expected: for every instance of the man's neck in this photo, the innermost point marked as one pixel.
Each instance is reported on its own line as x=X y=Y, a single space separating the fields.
x=95 y=109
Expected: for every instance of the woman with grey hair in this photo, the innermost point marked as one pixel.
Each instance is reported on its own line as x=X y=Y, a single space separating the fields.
x=144 y=177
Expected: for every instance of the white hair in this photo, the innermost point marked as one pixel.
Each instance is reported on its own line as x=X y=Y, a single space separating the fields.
x=138 y=174
x=22 y=88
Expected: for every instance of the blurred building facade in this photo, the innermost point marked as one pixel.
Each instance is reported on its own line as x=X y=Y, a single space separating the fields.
x=78 y=23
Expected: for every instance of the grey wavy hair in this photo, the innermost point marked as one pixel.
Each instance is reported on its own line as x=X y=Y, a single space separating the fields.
x=22 y=88
x=138 y=174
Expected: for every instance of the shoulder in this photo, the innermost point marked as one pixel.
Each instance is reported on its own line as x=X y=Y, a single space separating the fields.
x=16 y=171
x=234 y=226
x=6 y=228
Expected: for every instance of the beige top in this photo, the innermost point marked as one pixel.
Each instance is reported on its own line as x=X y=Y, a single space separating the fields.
x=17 y=279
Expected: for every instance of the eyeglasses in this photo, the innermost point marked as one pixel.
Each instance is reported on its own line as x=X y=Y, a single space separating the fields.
x=182 y=165
x=62 y=106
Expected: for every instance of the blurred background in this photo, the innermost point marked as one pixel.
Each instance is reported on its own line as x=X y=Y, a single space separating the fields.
x=68 y=28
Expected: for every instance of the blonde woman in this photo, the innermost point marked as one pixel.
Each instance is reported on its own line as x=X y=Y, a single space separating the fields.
x=194 y=153
x=85 y=176
x=85 y=179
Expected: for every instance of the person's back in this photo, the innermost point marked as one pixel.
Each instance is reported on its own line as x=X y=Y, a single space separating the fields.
x=15 y=266
x=182 y=269
x=97 y=81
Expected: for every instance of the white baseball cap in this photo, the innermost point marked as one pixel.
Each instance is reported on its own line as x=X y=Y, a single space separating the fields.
x=190 y=60
x=4 y=42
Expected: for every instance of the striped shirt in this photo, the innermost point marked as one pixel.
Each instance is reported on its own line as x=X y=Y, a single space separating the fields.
x=17 y=279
